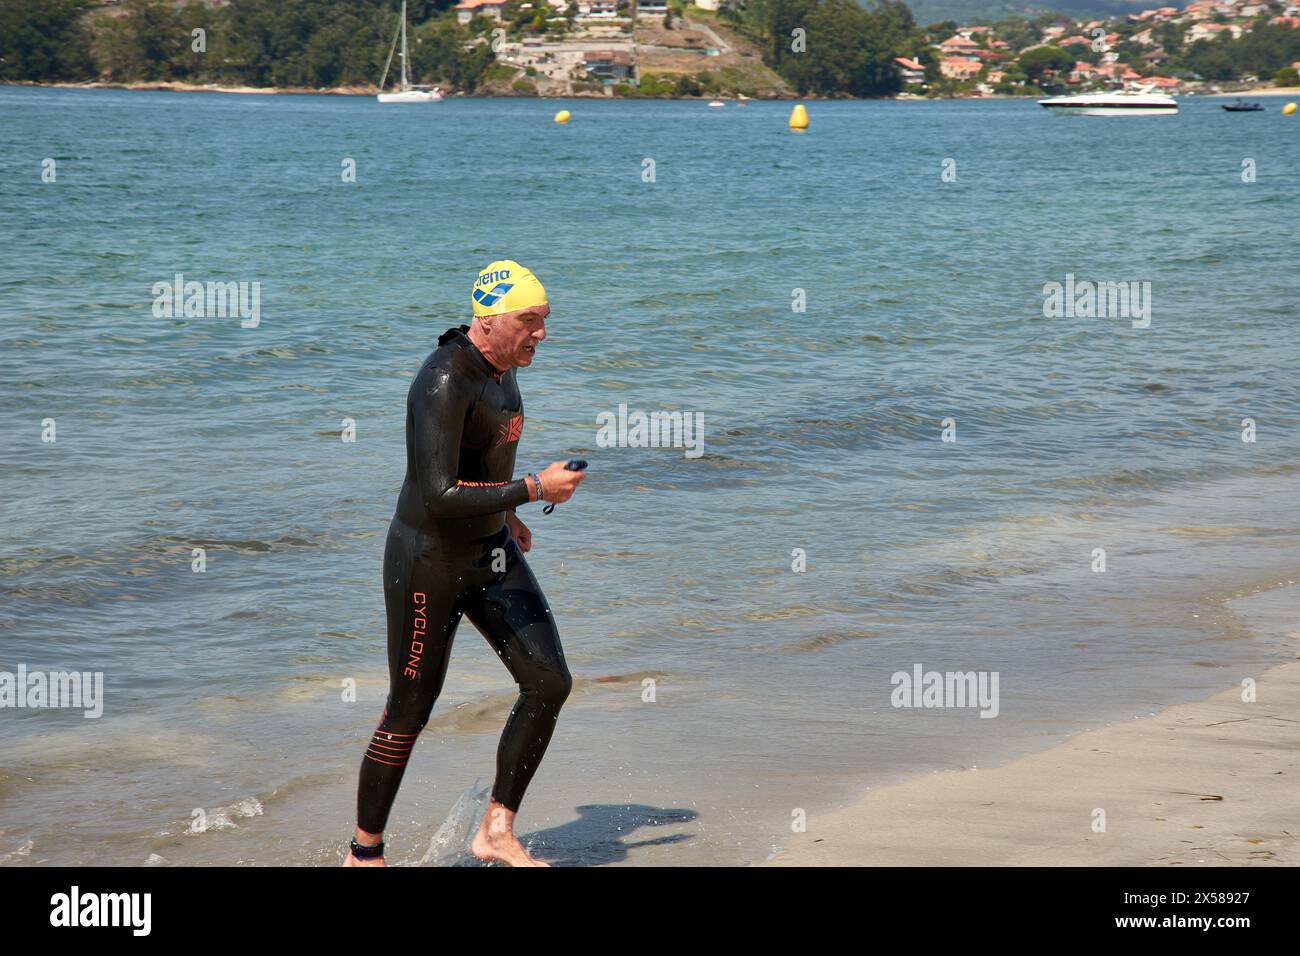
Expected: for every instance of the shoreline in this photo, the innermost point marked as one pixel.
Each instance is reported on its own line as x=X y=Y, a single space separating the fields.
x=1247 y=94
x=1213 y=782
x=169 y=86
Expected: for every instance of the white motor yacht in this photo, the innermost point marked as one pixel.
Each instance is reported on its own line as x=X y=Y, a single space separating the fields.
x=1142 y=102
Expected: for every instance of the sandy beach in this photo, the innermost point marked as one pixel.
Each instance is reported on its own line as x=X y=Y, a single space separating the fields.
x=1265 y=91
x=175 y=86
x=1214 y=783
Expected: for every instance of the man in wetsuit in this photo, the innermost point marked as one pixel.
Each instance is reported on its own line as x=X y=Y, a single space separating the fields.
x=456 y=548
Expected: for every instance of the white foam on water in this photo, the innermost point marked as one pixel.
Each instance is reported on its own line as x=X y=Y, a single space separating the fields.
x=450 y=844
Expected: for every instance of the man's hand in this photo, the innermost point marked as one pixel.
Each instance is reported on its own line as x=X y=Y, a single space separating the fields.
x=558 y=483
x=519 y=531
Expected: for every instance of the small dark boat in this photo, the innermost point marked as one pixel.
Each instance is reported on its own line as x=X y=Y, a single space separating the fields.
x=1240 y=107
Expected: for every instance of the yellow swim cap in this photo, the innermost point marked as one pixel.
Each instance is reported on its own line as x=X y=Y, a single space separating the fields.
x=506 y=286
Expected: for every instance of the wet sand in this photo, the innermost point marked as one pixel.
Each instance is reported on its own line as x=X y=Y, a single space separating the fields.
x=1215 y=782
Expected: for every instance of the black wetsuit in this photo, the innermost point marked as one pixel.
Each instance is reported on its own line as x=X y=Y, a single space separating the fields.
x=463 y=422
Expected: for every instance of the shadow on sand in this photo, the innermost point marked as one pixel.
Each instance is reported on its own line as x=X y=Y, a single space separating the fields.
x=602 y=834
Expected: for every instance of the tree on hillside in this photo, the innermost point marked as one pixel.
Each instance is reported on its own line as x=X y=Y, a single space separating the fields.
x=850 y=49
x=1018 y=32
x=441 y=56
x=1169 y=35
x=143 y=43
x=1266 y=50
x=787 y=16
x=938 y=32
x=1210 y=60
x=44 y=41
x=1034 y=62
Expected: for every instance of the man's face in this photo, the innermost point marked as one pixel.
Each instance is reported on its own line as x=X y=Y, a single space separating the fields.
x=517 y=334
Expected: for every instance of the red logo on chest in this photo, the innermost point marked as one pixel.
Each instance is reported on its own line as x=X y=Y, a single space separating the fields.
x=510 y=431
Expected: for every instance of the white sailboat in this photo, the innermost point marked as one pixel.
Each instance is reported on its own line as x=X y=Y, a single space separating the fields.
x=407 y=93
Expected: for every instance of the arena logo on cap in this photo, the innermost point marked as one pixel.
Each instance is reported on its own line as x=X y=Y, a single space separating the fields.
x=490 y=297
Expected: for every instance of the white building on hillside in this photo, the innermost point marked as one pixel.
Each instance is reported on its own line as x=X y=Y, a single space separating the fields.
x=467 y=10
x=598 y=9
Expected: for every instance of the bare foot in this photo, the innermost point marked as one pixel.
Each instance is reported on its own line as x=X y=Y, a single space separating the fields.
x=353 y=861
x=496 y=841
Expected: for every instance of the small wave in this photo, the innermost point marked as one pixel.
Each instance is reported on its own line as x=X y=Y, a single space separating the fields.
x=280 y=352
x=42 y=564
x=818 y=642
x=161 y=381
x=635 y=677
x=222 y=818
x=1128 y=478
x=19 y=855
x=1225 y=532
x=785 y=613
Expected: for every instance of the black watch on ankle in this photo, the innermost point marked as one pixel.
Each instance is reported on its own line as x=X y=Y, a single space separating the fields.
x=362 y=852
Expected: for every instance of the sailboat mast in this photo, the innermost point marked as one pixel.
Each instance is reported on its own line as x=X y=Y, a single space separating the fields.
x=406 y=76
x=388 y=63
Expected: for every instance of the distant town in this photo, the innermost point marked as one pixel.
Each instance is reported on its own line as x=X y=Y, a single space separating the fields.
x=1165 y=48
x=715 y=49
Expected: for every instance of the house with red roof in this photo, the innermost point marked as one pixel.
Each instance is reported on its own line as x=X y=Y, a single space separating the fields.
x=613 y=65
x=1210 y=31
x=1154 y=16
x=1083 y=72
x=1117 y=72
x=959 y=68
x=957 y=46
x=909 y=70
x=467 y=10
x=1164 y=83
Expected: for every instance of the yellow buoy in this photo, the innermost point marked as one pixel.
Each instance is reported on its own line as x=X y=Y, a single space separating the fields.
x=798 y=117
x=562 y=116
x=1288 y=109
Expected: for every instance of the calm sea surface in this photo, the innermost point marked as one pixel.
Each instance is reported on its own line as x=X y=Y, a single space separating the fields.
x=226 y=695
